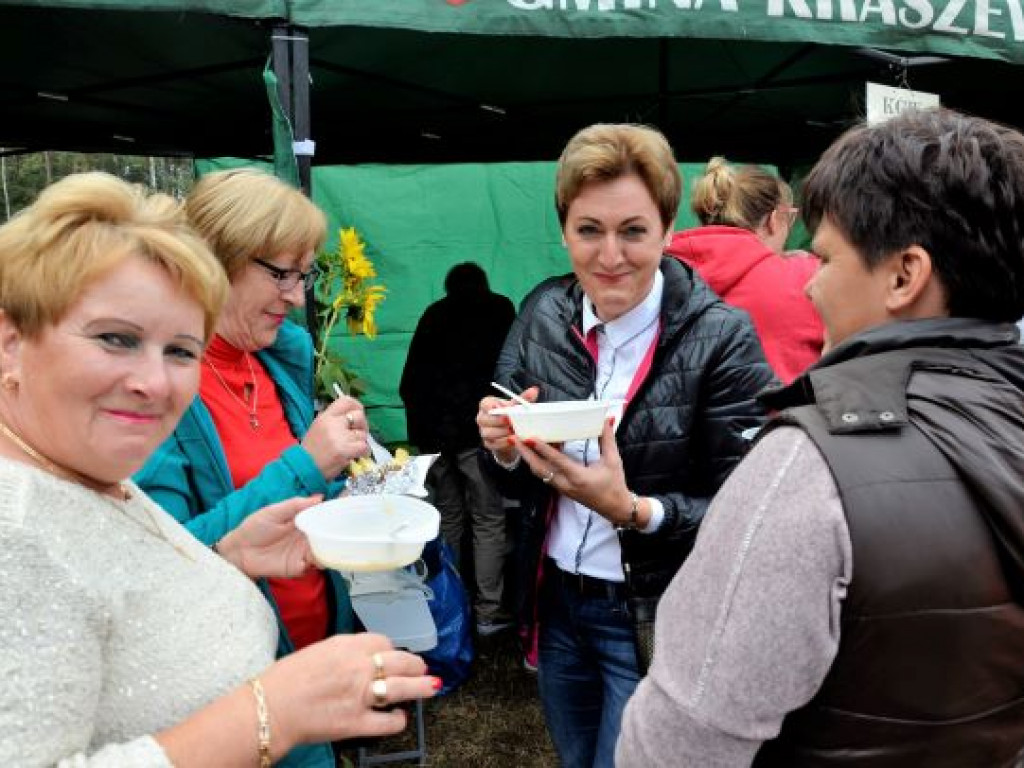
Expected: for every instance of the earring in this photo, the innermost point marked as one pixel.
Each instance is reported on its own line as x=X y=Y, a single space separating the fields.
x=9 y=381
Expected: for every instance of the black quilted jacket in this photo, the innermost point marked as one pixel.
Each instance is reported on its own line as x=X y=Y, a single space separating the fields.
x=680 y=435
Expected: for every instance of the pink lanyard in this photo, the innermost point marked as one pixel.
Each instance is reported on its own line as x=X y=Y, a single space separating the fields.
x=590 y=342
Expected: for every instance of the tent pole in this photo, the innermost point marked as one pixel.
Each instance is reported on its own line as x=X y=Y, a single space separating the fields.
x=663 y=84
x=291 y=65
x=300 y=103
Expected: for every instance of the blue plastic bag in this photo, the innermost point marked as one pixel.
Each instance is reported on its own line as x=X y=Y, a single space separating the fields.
x=452 y=659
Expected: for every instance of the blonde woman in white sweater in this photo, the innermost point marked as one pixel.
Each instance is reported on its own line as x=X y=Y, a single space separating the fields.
x=123 y=640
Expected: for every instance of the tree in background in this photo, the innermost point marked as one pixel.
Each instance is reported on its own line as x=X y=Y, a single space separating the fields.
x=24 y=175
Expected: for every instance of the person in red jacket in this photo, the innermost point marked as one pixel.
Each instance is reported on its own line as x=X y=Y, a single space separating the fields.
x=746 y=214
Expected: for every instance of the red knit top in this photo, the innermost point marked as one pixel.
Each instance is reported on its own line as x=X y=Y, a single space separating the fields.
x=238 y=396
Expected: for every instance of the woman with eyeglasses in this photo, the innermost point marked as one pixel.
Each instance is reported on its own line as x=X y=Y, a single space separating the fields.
x=746 y=215
x=250 y=437
x=124 y=640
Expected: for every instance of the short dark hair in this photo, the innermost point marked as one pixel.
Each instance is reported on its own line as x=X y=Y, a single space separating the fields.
x=950 y=183
x=466 y=279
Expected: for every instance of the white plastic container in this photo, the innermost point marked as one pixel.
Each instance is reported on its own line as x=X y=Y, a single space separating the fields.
x=562 y=421
x=394 y=604
x=369 y=533
x=403 y=617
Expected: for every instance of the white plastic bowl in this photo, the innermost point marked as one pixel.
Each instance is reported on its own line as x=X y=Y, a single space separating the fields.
x=369 y=533
x=562 y=421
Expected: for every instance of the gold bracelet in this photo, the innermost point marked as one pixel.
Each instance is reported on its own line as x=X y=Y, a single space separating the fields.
x=263 y=731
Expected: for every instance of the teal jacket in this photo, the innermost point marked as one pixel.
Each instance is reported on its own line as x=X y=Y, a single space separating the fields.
x=188 y=476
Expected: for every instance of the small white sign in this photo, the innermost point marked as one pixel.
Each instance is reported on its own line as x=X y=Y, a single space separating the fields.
x=885 y=102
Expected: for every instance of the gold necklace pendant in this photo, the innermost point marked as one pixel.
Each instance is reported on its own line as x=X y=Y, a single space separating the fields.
x=250 y=409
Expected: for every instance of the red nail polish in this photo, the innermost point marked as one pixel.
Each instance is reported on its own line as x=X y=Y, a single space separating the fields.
x=511 y=439
x=436 y=683
x=530 y=442
x=611 y=421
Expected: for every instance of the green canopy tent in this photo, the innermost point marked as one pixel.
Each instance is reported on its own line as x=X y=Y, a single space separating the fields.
x=481 y=80
x=421 y=109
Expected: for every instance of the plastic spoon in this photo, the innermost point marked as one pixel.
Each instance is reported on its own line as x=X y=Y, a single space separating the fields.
x=509 y=393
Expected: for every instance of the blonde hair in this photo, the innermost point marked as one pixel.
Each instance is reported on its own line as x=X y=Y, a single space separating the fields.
x=79 y=230
x=737 y=197
x=246 y=214
x=605 y=152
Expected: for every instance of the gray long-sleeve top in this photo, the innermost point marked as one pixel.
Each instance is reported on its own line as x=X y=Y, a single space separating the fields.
x=749 y=627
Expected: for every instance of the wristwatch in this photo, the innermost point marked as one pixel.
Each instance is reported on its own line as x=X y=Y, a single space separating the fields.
x=634 y=510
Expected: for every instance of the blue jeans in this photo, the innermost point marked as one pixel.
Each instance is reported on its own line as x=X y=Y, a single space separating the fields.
x=587 y=672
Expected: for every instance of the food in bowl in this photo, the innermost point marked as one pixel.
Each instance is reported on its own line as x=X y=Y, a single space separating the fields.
x=369 y=533
x=559 y=422
x=366 y=464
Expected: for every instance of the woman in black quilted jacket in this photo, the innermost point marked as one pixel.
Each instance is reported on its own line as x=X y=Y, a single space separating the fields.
x=607 y=522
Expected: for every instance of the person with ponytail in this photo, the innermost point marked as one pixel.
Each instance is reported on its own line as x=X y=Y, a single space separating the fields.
x=746 y=214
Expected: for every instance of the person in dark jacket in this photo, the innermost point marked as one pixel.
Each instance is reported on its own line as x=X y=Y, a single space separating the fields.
x=856 y=597
x=631 y=324
x=449 y=367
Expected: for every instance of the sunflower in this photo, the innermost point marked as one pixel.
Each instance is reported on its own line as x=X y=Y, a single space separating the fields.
x=374 y=296
x=343 y=291
x=357 y=266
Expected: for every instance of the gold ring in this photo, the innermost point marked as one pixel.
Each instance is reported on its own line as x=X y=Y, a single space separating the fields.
x=548 y=477
x=379 y=689
x=378 y=666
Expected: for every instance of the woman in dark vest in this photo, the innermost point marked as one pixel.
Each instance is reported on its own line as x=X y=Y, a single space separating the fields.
x=855 y=596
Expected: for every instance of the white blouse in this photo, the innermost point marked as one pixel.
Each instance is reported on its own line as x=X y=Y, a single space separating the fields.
x=107 y=633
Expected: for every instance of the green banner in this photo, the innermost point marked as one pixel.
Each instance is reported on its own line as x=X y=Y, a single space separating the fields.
x=249 y=9
x=991 y=29
x=976 y=28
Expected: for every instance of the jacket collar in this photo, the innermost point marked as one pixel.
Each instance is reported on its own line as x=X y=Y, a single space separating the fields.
x=855 y=393
x=685 y=297
x=289 y=363
x=623 y=328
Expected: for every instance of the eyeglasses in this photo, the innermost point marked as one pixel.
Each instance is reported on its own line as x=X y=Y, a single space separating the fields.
x=790 y=212
x=288 y=278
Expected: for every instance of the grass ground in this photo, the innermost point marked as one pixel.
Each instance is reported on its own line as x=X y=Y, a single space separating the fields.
x=493 y=721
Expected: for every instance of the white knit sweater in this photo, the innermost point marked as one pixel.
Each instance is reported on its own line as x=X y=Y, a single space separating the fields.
x=107 y=634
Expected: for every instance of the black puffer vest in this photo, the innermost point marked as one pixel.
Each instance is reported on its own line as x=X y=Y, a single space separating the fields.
x=926 y=446
x=680 y=435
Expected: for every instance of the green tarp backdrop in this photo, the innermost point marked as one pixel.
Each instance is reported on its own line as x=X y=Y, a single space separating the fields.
x=419 y=221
